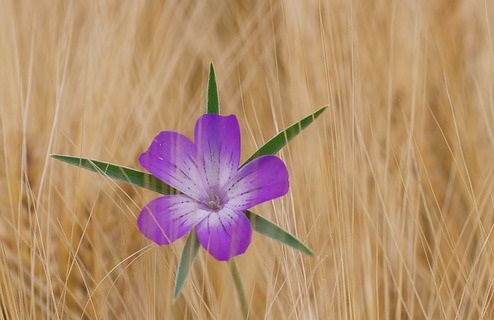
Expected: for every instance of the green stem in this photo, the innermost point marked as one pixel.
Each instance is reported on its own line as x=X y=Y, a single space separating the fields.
x=237 y=280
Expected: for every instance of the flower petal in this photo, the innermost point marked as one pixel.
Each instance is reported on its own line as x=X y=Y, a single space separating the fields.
x=217 y=139
x=260 y=180
x=172 y=158
x=167 y=218
x=225 y=233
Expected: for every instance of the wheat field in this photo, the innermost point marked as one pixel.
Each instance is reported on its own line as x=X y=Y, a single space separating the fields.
x=392 y=186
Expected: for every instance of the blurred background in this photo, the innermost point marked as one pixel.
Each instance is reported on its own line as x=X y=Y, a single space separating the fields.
x=392 y=186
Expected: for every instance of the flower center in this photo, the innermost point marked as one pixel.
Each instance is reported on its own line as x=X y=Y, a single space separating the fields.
x=214 y=202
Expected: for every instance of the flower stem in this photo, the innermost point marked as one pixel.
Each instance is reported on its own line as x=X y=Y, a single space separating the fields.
x=237 y=280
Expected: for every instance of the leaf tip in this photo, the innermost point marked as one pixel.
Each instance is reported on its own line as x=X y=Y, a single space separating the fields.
x=320 y=111
x=176 y=293
x=309 y=252
x=212 y=76
x=213 y=102
x=56 y=156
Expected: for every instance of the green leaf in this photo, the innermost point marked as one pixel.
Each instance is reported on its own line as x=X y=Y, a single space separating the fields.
x=186 y=260
x=274 y=145
x=135 y=177
x=213 y=103
x=271 y=230
x=237 y=280
x=281 y=139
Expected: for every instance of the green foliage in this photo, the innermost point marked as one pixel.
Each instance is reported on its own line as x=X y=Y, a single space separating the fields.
x=281 y=139
x=186 y=260
x=128 y=175
x=213 y=101
x=272 y=231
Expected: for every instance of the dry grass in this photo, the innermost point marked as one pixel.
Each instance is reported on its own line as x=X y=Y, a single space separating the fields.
x=392 y=187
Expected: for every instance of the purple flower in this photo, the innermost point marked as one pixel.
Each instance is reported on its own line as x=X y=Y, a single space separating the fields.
x=214 y=189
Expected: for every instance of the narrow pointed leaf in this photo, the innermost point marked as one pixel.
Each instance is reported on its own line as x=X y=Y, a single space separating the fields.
x=186 y=260
x=213 y=103
x=135 y=177
x=281 y=139
x=269 y=229
x=237 y=280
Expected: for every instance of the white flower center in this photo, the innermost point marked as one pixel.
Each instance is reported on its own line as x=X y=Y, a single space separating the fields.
x=214 y=202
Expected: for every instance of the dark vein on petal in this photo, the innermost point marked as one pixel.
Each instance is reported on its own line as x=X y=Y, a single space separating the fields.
x=241 y=178
x=249 y=191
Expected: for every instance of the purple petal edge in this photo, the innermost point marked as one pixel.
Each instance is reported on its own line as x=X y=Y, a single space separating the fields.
x=264 y=178
x=168 y=218
x=172 y=158
x=225 y=234
x=217 y=139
